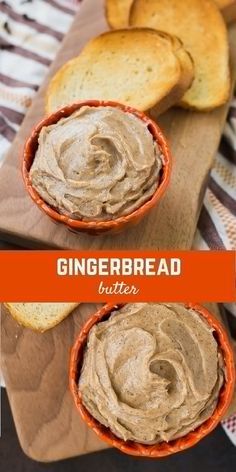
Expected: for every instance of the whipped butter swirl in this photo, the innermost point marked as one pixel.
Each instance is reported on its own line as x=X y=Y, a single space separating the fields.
x=97 y=164
x=151 y=372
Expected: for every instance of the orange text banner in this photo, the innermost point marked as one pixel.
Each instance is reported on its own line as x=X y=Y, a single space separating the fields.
x=113 y=276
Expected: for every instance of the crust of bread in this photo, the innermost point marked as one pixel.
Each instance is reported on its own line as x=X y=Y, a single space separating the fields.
x=228 y=9
x=117 y=13
x=22 y=318
x=200 y=26
x=126 y=66
x=184 y=84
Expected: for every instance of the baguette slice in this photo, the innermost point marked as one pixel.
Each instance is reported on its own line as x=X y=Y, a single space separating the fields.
x=139 y=67
x=200 y=26
x=228 y=9
x=40 y=316
x=117 y=11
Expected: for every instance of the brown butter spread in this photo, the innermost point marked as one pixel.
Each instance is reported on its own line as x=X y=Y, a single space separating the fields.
x=151 y=372
x=97 y=164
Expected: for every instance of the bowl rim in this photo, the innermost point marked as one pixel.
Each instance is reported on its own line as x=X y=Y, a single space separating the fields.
x=31 y=145
x=161 y=449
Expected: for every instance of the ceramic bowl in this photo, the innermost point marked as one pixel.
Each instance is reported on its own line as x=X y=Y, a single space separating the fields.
x=161 y=449
x=96 y=227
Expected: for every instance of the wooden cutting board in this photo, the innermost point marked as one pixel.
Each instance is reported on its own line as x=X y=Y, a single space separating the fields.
x=35 y=370
x=193 y=136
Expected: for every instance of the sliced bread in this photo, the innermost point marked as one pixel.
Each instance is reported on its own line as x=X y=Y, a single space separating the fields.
x=200 y=26
x=40 y=316
x=117 y=11
x=139 y=67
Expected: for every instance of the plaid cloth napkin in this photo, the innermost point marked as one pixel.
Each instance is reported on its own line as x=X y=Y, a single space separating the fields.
x=30 y=35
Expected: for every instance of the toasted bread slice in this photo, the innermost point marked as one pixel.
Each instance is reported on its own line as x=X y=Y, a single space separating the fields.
x=117 y=11
x=40 y=316
x=200 y=26
x=185 y=82
x=228 y=9
x=126 y=66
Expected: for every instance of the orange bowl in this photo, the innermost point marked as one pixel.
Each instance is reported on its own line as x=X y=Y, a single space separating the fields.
x=161 y=449
x=96 y=227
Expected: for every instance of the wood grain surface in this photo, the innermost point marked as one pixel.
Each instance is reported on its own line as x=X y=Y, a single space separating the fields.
x=35 y=369
x=193 y=136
